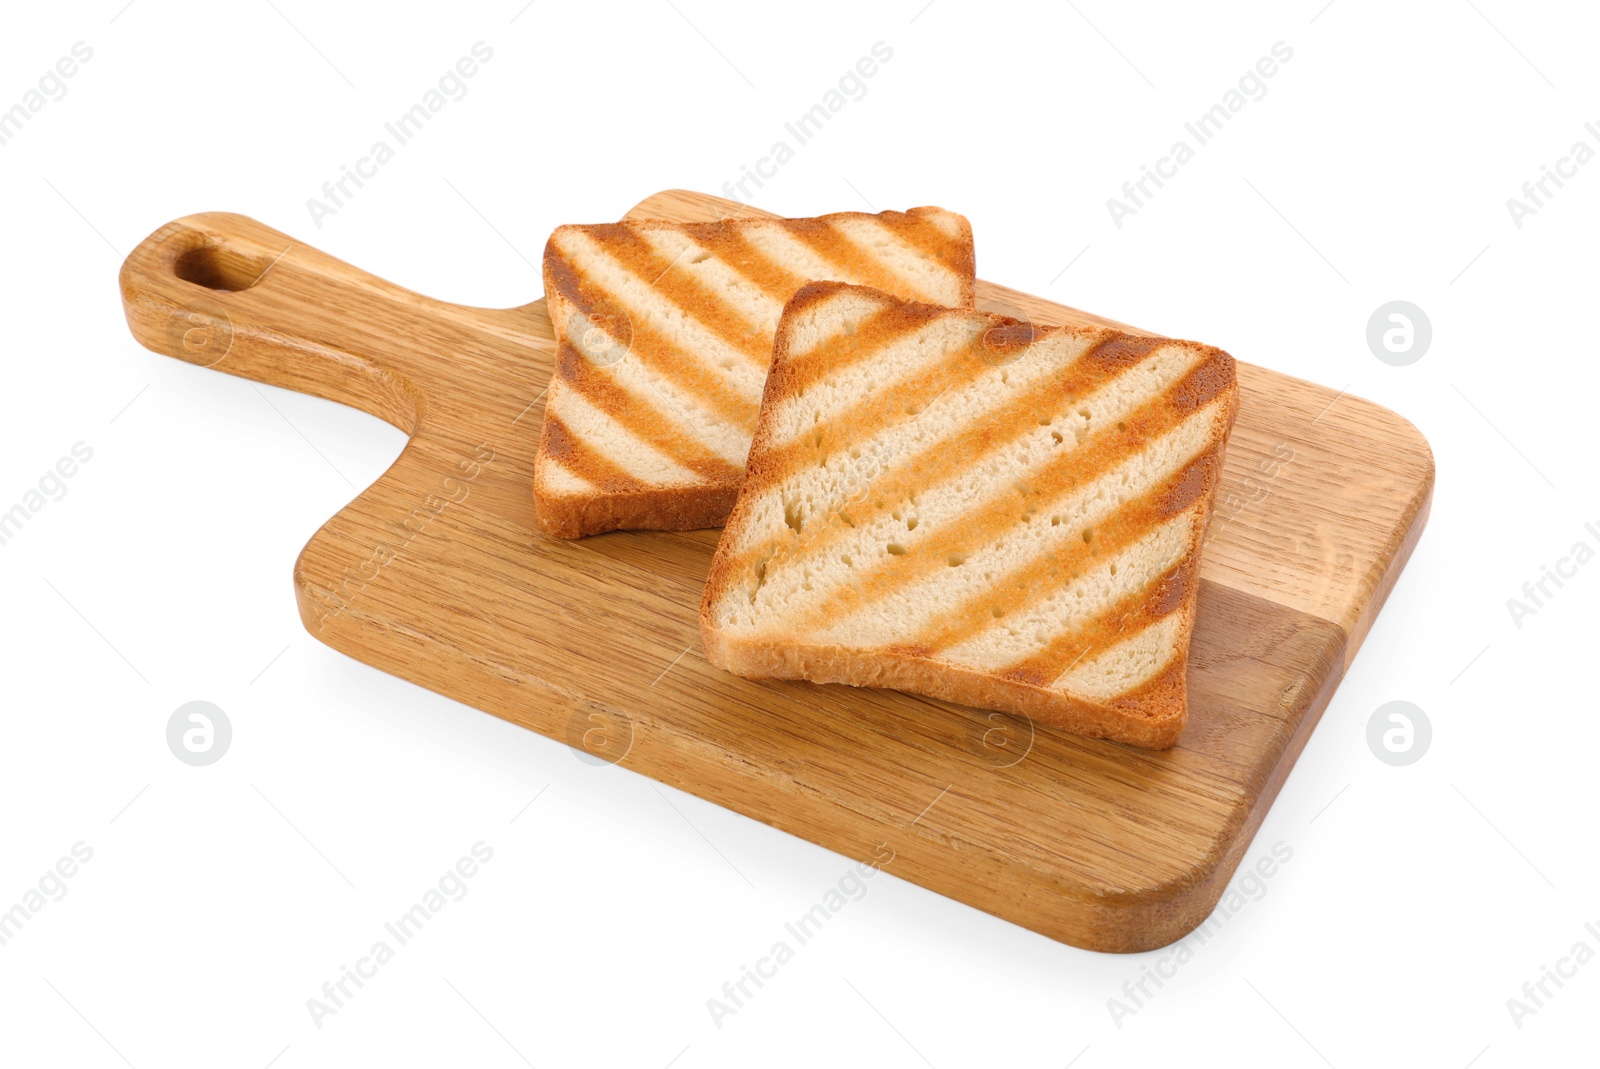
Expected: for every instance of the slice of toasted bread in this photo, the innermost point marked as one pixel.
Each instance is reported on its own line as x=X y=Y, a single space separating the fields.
x=965 y=506
x=664 y=334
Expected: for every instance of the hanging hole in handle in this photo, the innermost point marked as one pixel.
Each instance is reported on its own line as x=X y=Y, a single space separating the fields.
x=217 y=267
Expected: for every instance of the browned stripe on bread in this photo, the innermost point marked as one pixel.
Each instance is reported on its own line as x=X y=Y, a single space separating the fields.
x=952 y=370
x=560 y=277
x=1034 y=580
x=1130 y=616
x=848 y=258
x=874 y=334
x=1073 y=468
x=954 y=253
x=1166 y=692
x=642 y=417
x=1140 y=609
x=945 y=458
x=678 y=286
x=652 y=348
x=727 y=241
x=1117 y=352
x=574 y=454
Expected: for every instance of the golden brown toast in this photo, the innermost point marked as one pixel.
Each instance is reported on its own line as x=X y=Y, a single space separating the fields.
x=965 y=506
x=664 y=333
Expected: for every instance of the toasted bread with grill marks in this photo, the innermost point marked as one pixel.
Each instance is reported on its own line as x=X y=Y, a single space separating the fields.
x=966 y=506
x=664 y=334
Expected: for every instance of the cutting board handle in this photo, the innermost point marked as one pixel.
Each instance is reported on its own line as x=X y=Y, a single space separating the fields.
x=224 y=291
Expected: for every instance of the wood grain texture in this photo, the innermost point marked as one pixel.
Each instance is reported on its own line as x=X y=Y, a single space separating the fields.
x=437 y=573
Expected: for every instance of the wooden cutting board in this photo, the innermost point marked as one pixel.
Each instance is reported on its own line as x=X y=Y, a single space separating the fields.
x=437 y=573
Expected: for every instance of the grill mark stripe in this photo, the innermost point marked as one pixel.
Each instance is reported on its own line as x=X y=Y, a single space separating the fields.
x=758 y=309
x=969 y=445
x=652 y=347
x=921 y=234
x=850 y=260
x=855 y=424
x=658 y=352
x=1112 y=534
x=651 y=425
x=1073 y=469
x=1165 y=684
x=873 y=335
x=1133 y=614
x=700 y=303
x=575 y=454
x=866 y=232
x=728 y=244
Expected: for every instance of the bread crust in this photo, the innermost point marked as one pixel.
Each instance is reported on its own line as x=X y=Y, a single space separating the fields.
x=1152 y=716
x=662 y=509
x=624 y=505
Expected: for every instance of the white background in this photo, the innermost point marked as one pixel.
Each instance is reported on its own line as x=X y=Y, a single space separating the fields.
x=219 y=899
